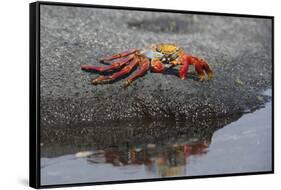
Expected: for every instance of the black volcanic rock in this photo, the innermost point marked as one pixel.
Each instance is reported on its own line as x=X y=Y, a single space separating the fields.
x=237 y=49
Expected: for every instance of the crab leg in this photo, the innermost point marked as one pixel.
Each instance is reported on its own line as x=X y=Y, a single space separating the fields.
x=117 y=56
x=200 y=72
x=127 y=69
x=199 y=64
x=184 y=61
x=114 y=65
x=143 y=67
x=208 y=70
x=200 y=67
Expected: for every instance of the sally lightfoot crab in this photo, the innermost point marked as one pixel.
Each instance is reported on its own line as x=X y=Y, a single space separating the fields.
x=157 y=58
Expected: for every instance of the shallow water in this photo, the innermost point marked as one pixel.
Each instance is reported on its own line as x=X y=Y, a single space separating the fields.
x=237 y=145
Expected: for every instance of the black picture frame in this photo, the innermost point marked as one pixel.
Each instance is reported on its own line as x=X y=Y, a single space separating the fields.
x=34 y=111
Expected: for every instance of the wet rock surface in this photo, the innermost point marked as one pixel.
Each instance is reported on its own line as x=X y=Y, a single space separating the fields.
x=237 y=49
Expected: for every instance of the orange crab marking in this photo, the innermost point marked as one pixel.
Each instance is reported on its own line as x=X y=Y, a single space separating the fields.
x=157 y=58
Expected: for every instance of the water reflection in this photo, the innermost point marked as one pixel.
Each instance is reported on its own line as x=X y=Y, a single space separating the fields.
x=163 y=147
x=167 y=160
